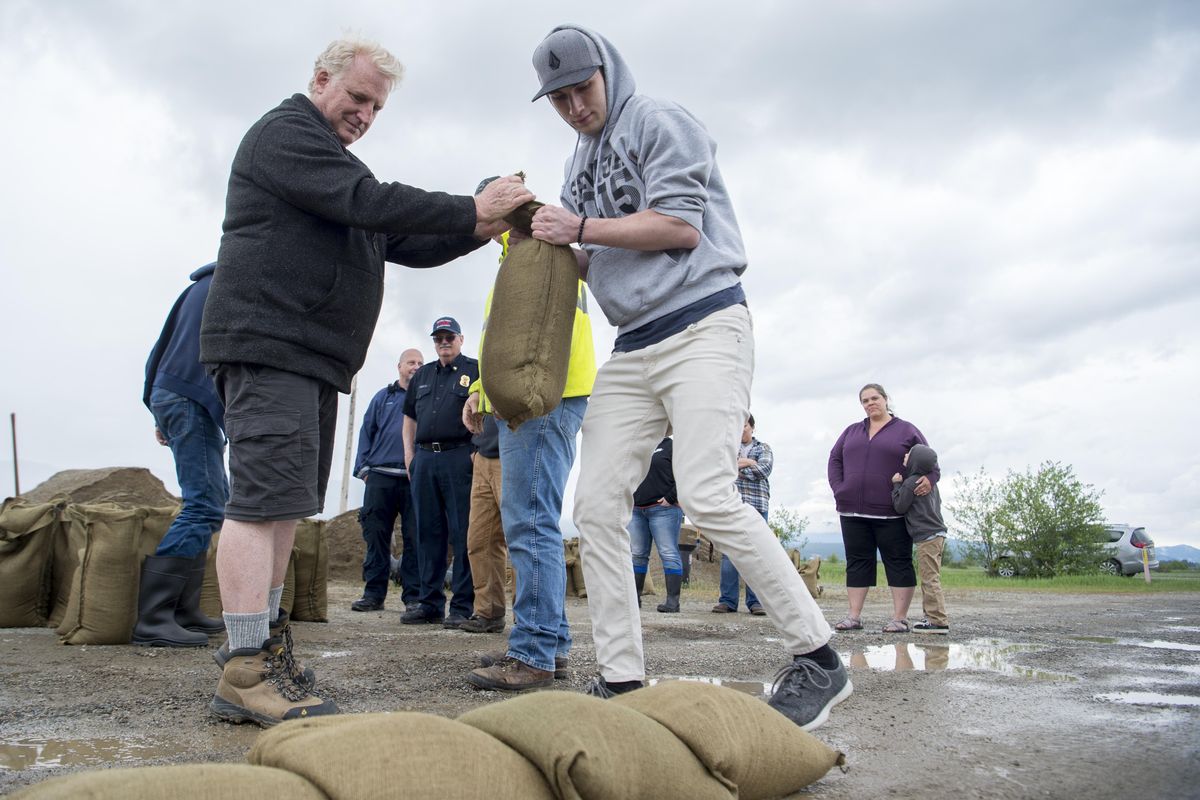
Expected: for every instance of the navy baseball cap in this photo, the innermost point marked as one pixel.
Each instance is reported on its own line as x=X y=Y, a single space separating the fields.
x=446 y=324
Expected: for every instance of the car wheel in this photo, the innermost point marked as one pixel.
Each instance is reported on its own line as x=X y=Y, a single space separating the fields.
x=1112 y=567
x=1005 y=568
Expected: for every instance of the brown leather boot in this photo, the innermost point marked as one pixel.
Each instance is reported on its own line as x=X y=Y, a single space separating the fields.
x=511 y=675
x=280 y=629
x=257 y=686
x=561 y=663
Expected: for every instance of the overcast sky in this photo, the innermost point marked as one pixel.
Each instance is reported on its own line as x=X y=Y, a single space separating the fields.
x=993 y=209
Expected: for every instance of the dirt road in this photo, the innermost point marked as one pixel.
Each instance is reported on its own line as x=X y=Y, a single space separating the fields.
x=1033 y=695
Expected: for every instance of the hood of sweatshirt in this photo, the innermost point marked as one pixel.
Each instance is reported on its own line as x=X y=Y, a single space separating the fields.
x=922 y=460
x=206 y=270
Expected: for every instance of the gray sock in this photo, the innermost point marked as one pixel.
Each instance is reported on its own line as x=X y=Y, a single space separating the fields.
x=273 y=598
x=247 y=631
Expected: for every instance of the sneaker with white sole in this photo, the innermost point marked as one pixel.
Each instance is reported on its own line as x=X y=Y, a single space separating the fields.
x=925 y=626
x=804 y=691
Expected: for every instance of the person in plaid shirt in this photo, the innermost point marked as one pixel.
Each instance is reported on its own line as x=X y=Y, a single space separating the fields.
x=755 y=461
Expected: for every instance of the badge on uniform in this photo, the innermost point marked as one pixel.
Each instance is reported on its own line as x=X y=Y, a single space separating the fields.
x=464 y=381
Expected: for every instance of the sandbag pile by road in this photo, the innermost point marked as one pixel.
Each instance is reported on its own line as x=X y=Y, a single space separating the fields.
x=676 y=739
x=76 y=567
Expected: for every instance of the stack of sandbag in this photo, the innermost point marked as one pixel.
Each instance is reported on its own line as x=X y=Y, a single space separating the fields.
x=106 y=544
x=310 y=566
x=810 y=571
x=575 y=584
x=677 y=740
x=527 y=348
x=28 y=532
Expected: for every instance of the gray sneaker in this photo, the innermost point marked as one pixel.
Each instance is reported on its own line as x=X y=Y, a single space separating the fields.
x=804 y=691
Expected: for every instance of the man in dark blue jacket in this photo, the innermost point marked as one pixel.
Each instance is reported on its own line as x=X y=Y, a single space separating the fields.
x=380 y=463
x=190 y=419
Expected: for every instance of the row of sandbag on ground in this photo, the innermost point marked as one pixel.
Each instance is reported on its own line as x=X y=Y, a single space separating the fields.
x=75 y=567
x=676 y=739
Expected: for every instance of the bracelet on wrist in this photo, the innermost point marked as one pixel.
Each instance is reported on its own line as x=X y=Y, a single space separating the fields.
x=579 y=238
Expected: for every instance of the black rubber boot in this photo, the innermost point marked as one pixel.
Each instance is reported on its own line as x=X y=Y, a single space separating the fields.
x=187 y=613
x=671 y=604
x=163 y=580
x=639 y=580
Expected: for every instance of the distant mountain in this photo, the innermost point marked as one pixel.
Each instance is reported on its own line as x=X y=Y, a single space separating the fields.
x=1178 y=552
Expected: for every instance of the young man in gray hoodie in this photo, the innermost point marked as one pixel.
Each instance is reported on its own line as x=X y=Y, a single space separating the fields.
x=661 y=250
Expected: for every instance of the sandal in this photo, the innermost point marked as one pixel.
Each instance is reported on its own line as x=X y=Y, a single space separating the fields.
x=896 y=626
x=849 y=624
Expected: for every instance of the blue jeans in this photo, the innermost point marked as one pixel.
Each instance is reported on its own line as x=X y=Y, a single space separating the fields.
x=729 y=583
x=662 y=523
x=385 y=498
x=535 y=460
x=441 y=494
x=198 y=446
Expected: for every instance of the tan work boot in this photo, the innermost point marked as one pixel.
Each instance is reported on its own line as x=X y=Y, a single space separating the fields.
x=280 y=629
x=510 y=675
x=257 y=686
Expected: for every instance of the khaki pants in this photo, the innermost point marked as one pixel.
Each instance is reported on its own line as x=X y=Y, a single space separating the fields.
x=485 y=539
x=696 y=382
x=929 y=565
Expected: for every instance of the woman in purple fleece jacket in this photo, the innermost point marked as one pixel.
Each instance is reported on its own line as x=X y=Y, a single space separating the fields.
x=861 y=465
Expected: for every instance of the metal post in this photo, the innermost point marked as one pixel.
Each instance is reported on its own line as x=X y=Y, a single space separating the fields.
x=349 y=447
x=16 y=470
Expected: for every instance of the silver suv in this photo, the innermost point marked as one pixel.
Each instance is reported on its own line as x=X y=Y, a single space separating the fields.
x=1124 y=545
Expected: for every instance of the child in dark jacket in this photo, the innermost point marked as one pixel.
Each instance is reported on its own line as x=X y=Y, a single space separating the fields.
x=923 y=517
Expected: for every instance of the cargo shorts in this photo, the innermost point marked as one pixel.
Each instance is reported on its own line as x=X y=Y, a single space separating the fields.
x=280 y=427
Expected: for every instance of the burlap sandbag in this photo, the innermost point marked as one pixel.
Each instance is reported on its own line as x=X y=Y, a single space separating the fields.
x=575 y=582
x=288 y=600
x=102 y=607
x=210 y=590
x=27 y=535
x=406 y=754
x=528 y=343
x=592 y=748
x=745 y=744
x=199 y=781
x=311 y=557
x=810 y=571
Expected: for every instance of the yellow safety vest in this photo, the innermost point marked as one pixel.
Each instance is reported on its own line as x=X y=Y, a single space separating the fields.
x=581 y=368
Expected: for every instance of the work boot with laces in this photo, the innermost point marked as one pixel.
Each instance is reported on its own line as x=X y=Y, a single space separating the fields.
x=511 y=675
x=257 y=686
x=280 y=629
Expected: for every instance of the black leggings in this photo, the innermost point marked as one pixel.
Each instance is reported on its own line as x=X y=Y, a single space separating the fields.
x=862 y=536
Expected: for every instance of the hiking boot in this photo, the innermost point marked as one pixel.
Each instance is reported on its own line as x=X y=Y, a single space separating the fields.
x=187 y=613
x=721 y=608
x=367 y=604
x=478 y=624
x=510 y=675
x=280 y=629
x=561 y=671
x=671 y=604
x=757 y=610
x=163 y=581
x=420 y=616
x=804 y=691
x=257 y=686
x=453 y=621
x=604 y=690
x=925 y=626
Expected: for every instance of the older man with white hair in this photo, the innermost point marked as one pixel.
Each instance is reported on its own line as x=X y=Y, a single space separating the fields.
x=291 y=312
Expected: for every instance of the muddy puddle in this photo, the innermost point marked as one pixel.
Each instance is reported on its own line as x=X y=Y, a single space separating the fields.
x=31 y=753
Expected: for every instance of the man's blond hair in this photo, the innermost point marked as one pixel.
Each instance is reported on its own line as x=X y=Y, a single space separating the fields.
x=341 y=53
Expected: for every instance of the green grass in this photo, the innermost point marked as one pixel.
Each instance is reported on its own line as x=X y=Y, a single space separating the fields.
x=976 y=578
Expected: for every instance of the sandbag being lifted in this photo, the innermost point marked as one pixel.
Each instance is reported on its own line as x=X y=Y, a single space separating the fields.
x=527 y=345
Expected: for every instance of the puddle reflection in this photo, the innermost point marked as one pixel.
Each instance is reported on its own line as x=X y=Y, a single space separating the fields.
x=22 y=754
x=991 y=656
x=1150 y=699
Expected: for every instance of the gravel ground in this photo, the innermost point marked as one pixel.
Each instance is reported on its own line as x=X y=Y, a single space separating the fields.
x=1032 y=695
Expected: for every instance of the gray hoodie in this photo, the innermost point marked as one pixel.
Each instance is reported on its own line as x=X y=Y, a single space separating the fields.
x=922 y=515
x=651 y=154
